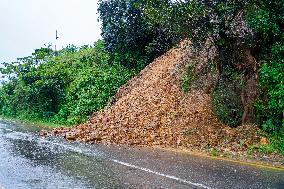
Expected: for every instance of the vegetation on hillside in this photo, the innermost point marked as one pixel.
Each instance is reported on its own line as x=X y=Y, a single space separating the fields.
x=67 y=86
x=63 y=87
x=130 y=38
x=249 y=36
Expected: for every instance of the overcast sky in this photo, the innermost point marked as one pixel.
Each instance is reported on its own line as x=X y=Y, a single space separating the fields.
x=29 y=24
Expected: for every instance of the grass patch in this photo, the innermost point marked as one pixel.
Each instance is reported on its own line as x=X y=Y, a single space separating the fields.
x=274 y=144
x=39 y=123
x=214 y=152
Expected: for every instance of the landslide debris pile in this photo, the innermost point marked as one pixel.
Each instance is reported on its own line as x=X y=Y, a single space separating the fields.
x=152 y=109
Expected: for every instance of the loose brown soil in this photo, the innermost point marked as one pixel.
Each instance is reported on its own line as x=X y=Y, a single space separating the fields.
x=153 y=110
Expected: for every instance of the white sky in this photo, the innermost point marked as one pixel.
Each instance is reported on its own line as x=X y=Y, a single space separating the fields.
x=29 y=24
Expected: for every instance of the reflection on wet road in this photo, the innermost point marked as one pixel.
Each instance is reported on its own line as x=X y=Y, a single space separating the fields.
x=31 y=162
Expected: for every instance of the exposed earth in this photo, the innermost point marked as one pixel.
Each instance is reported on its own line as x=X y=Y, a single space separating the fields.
x=153 y=110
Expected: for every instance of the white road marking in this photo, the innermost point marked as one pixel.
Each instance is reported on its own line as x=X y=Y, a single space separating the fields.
x=161 y=174
x=121 y=162
x=6 y=130
x=137 y=167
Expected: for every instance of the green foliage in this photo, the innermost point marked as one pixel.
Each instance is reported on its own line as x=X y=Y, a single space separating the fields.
x=227 y=104
x=128 y=35
x=271 y=106
x=275 y=144
x=214 y=152
x=196 y=19
x=63 y=87
x=188 y=77
x=178 y=18
x=91 y=90
x=267 y=19
x=277 y=141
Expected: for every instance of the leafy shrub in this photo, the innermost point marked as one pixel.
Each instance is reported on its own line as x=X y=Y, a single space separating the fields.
x=267 y=20
x=271 y=106
x=91 y=91
x=188 y=77
x=130 y=38
x=275 y=144
x=227 y=104
x=63 y=87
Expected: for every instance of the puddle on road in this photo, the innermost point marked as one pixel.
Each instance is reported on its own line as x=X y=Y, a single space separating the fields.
x=29 y=161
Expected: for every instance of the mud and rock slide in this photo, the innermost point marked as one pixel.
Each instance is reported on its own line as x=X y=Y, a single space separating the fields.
x=153 y=110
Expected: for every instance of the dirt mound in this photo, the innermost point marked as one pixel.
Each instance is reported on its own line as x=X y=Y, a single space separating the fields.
x=152 y=109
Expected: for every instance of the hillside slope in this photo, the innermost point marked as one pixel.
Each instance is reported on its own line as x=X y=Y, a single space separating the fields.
x=152 y=109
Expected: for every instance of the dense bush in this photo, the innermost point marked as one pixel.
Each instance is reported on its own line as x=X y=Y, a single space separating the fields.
x=130 y=38
x=267 y=19
x=63 y=87
x=227 y=104
x=91 y=90
x=271 y=106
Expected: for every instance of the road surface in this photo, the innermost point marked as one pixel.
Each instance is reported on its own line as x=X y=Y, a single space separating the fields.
x=28 y=161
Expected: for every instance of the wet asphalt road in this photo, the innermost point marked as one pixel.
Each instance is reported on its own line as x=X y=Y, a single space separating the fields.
x=28 y=161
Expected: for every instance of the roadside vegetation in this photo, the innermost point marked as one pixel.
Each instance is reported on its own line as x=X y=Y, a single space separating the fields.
x=69 y=85
x=62 y=87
